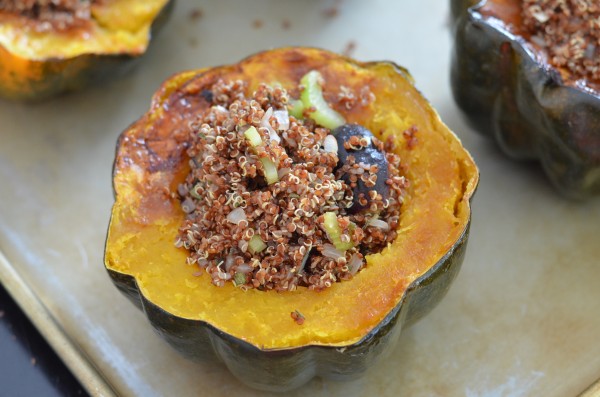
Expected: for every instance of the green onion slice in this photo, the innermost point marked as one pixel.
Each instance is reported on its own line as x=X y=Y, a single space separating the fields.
x=296 y=109
x=270 y=170
x=256 y=244
x=334 y=232
x=239 y=279
x=253 y=136
x=312 y=97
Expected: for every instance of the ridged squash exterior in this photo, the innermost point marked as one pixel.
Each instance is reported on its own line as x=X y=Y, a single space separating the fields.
x=508 y=94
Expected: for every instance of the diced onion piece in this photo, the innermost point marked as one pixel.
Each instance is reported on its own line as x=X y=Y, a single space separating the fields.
x=220 y=108
x=329 y=251
x=355 y=264
x=188 y=205
x=237 y=215
x=296 y=109
x=330 y=144
x=291 y=143
x=541 y=17
x=334 y=231
x=256 y=245
x=244 y=268
x=312 y=97
x=283 y=172
x=378 y=223
x=224 y=276
x=283 y=119
x=267 y=116
x=229 y=260
x=182 y=189
x=590 y=50
x=270 y=170
x=202 y=263
x=264 y=122
x=273 y=134
x=253 y=136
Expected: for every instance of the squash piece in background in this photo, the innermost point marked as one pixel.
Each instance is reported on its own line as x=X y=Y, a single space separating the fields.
x=47 y=50
x=507 y=88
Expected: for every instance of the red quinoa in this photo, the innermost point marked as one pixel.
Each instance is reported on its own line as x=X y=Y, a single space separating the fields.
x=227 y=200
x=50 y=14
x=569 y=32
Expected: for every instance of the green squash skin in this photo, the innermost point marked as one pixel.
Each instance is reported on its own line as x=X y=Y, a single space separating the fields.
x=287 y=369
x=62 y=75
x=528 y=110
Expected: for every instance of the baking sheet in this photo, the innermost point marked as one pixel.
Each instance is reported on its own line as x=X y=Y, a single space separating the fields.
x=520 y=320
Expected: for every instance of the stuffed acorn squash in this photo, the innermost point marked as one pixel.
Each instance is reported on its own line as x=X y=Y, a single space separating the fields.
x=277 y=329
x=47 y=48
x=527 y=72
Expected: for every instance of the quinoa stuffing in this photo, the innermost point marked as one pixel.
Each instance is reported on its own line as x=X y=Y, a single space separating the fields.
x=273 y=202
x=50 y=14
x=569 y=32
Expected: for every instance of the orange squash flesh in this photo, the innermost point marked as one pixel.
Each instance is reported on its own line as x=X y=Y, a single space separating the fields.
x=38 y=64
x=151 y=162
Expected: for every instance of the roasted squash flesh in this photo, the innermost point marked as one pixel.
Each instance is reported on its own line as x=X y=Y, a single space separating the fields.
x=35 y=64
x=151 y=162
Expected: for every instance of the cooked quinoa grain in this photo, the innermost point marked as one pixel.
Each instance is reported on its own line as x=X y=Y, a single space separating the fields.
x=256 y=229
x=50 y=14
x=569 y=32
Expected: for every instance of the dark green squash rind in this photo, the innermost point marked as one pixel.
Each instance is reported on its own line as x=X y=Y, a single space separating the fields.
x=526 y=108
x=286 y=369
x=61 y=75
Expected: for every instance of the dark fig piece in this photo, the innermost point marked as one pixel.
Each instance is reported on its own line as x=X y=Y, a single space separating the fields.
x=364 y=153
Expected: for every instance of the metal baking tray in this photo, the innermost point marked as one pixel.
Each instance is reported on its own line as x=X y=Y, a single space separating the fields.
x=520 y=320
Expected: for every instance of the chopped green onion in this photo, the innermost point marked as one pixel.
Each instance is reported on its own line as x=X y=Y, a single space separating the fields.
x=296 y=109
x=269 y=166
x=334 y=232
x=253 y=136
x=256 y=245
x=270 y=170
x=239 y=279
x=194 y=191
x=312 y=97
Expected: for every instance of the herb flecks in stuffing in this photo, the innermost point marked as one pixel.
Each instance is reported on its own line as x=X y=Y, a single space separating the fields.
x=256 y=229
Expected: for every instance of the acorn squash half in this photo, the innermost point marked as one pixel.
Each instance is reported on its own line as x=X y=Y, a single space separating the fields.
x=39 y=63
x=346 y=325
x=508 y=92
